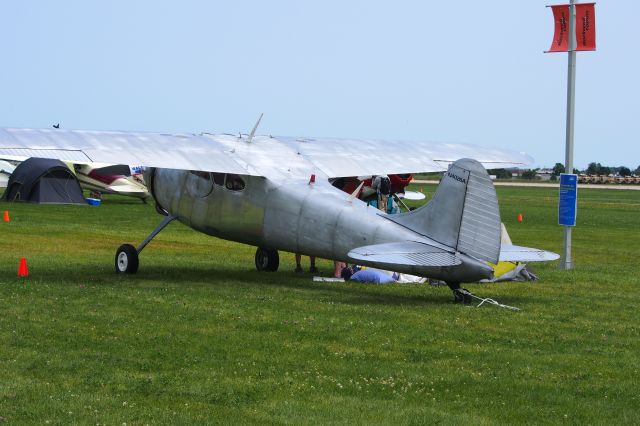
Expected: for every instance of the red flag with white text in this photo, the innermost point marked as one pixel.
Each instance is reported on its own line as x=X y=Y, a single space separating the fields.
x=585 y=27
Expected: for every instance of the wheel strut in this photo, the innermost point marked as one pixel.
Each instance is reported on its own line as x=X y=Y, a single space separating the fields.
x=127 y=255
x=459 y=296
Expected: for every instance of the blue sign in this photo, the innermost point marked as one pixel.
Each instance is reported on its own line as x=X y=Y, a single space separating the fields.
x=568 y=205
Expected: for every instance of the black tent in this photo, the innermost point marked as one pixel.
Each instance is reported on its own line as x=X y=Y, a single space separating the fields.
x=43 y=180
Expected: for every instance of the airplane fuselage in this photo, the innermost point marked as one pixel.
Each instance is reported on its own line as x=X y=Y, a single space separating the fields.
x=294 y=216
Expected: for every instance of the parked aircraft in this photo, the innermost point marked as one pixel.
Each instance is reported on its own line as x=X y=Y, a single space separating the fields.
x=111 y=179
x=96 y=177
x=6 y=169
x=274 y=193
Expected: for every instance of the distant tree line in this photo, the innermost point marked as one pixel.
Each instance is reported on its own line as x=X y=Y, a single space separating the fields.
x=593 y=169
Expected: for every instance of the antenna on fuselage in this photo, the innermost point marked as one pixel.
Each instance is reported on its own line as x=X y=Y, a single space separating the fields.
x=253 y=132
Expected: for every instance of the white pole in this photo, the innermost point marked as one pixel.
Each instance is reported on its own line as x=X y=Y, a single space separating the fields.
x=567 y=262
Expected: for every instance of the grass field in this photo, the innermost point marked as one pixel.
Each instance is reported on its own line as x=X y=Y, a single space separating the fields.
x=199 y=337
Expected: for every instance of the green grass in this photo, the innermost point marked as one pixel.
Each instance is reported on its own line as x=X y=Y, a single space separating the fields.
x=199 y=337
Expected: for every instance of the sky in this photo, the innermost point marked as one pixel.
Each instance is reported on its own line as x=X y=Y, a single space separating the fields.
x=463 y=71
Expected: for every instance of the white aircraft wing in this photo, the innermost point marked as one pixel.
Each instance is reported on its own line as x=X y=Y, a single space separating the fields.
x=358 y=157
x=262 y=156
x=187 y=152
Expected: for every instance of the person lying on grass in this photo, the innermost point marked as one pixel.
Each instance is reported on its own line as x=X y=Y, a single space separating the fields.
x=377 y=276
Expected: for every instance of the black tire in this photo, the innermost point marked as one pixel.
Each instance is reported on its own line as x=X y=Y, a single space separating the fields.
x=267 y=259
x=126 y=259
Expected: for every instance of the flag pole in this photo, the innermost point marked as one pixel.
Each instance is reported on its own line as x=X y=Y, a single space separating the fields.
x=567 y=262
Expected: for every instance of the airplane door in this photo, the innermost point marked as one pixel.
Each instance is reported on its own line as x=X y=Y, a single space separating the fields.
x=199 y=184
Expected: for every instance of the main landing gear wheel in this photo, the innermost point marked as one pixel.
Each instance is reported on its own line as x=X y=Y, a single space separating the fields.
x=267 y=259
x=126 y=259
x=460 y=295
x=127 y=255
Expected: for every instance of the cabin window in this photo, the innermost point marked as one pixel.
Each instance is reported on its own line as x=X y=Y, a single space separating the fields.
x=203 y=175
x=234 y=182
x=218 y=178
x=116 y=170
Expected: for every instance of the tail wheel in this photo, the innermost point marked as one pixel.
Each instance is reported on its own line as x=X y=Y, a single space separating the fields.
x=267 y=259
x=126 y=259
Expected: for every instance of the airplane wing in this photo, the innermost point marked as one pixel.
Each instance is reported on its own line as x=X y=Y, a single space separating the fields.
x=360 y=157
x=189 y=152
x=267 y=156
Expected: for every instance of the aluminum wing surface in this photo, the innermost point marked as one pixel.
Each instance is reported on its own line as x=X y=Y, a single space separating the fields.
x=187 y=152
x=283 y=157
x=362 y=157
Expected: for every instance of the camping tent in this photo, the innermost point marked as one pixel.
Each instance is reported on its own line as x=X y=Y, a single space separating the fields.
x=42 y=180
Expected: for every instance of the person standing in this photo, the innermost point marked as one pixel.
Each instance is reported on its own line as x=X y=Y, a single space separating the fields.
x=382 y=186
x=312 y=263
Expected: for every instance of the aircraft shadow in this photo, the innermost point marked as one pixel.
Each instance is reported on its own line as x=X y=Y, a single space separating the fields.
x=350 y=293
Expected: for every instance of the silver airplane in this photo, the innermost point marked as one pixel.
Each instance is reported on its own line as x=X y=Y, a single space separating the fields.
x=274 y=193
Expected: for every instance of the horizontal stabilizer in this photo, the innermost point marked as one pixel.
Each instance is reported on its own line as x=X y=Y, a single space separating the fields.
x=412 y=195
x=406 y=253
x=525 y=254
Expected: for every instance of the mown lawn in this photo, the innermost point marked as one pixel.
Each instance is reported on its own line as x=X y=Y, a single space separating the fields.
x=199 y=337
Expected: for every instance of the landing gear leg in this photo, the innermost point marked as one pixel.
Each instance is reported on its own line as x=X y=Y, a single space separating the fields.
x=127 y=255
x=460 y=295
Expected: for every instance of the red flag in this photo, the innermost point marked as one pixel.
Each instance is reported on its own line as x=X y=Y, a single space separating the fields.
x=585 y=27
x=560 y=41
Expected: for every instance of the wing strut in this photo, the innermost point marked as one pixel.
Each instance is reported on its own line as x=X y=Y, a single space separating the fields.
x=355 y=193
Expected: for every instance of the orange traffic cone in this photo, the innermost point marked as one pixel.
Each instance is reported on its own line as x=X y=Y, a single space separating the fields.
x=519 y=217
x=6 y=216
x=23 y=271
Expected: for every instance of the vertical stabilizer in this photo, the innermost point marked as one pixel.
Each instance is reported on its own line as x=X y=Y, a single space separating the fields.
x=463 y=213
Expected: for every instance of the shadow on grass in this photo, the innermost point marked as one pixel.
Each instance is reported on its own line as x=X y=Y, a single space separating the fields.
x=160 y=276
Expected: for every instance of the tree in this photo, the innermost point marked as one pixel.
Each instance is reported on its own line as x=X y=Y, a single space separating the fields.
x=529 y=174
x=557 y=169
x=594 y=169
x=624 y=171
